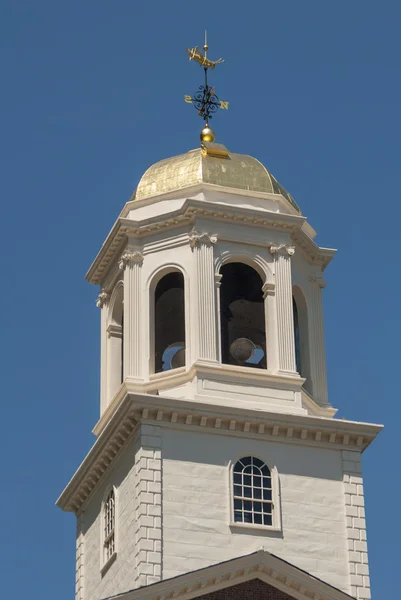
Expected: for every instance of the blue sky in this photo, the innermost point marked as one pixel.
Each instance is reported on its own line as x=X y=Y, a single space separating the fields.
x=92 y=94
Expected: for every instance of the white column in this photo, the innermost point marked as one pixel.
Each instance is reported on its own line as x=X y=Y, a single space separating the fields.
x=316 y=344
x=131 y=263
x=202 y=246
x=285 y=318
x=272 y=354
x=102 y=302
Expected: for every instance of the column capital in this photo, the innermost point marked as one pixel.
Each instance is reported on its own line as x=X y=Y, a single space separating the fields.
x=282 y=249
x=132 y=257
x=102 y=299
x=195 y=239
x=319 y=280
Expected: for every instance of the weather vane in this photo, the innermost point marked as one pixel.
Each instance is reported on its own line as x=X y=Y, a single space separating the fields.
x=205 y=100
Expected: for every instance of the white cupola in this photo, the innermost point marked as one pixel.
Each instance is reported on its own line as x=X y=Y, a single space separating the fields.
x=211 y=289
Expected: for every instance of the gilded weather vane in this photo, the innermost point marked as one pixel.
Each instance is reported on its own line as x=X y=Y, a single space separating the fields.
x=205 y=100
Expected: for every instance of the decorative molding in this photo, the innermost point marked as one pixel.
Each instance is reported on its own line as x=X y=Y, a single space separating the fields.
x=263 y=425
x=135 y=257
x=282 y=248
x=268 y=289
x=186 y=215
x=102 y=299
x=195 y=239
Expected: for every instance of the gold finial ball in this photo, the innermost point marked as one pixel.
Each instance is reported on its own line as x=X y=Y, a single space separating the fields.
x=207 y=134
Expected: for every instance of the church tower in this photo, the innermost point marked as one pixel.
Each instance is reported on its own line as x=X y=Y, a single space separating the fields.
x=216 y=438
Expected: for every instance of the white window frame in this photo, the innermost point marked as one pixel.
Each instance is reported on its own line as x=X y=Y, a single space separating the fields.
x=276 y=525
x=107 y=561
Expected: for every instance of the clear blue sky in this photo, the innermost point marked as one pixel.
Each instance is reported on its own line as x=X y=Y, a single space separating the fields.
x=91 y=95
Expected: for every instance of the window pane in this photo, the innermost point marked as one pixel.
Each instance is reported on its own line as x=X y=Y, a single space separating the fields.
x=247 y=505
x=237 y=516
x=247 y=460
x=247 y=517
x=247 y=480
x=257 y=506
x=248 y=492
x=266 y=471
x=267 y=494
x=267 y=520
x=257 y=493
x=237 y=504
x=267 y=507
x=237 y=490
x=248 y=469
x=237 y=478
x=257 y=481
x=267 y=482
x=258 y=519
x=257 y=462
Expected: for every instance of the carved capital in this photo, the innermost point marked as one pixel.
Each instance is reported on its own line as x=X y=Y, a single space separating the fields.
x=282 y=249
x=133 y=258
x=102 y=298
x=195 y=239
x=319 y=280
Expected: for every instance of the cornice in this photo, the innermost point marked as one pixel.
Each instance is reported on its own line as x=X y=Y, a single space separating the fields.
x=186 y=215
x=314 y=254
x=262 y=565
x=135 y=408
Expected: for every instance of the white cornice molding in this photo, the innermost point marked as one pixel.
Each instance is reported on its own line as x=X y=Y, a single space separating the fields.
x=262 y=565
x=134 y=408
x=185 y=216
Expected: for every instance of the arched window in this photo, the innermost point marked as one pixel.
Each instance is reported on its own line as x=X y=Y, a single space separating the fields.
x=301 y=336
x=253 y=492
x=296 y=337
x=109 y=526
x=170 y=322
x=243 y=335
x=115 y=345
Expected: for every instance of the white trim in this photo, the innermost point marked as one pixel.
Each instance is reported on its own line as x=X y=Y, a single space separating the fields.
x=132 y=408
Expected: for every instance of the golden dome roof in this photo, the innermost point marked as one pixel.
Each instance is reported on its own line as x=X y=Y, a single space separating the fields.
x=210 y=164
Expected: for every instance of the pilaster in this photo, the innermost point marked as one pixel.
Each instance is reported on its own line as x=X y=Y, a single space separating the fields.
x=269 y=293
x=131 y=263
x=202 y=246
x=285 y=318
x=102 y=303
x=317 y=348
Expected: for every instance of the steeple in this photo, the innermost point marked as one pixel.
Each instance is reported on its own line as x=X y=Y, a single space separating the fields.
x=216 y=435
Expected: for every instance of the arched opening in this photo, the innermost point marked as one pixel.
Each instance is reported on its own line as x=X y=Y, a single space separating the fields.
x=301 y=336
x=169 y=322
x=297 y=339
x=242 y=314
x=115 y=345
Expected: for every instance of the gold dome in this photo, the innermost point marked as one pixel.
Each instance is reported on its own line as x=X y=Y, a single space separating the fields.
x=210 y=164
